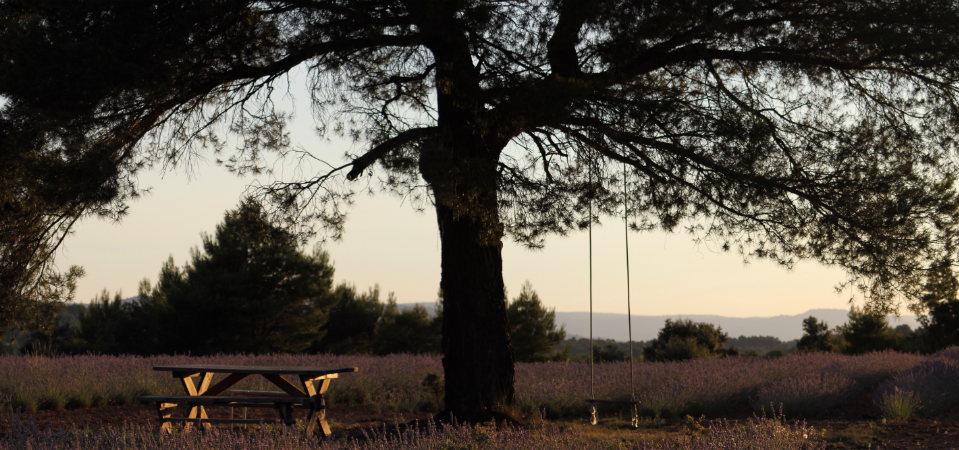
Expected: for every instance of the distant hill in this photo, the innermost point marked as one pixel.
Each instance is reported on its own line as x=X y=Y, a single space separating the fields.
x=613 y=326
x=786 y=328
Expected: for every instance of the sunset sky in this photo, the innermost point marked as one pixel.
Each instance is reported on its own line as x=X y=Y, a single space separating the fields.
x=387 y=243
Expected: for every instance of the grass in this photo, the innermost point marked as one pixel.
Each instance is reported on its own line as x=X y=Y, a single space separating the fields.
x=860 y=435
x=759 y=434
x=899 y=404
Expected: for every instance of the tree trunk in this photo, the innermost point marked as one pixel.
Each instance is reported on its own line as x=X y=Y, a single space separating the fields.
x=478 y=359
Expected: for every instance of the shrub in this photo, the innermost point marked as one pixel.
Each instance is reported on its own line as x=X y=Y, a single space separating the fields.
x=684 y=339
x=898 y=404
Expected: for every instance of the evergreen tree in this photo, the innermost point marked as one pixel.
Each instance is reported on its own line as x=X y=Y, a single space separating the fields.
x=103 y=323
x=812 y=129
x=533 y=331
x=816 y=337
x=608 y=353
x=352 y=322
x=868 y=331
x=938 y=310
x=684 y=339
x=251 y=290
x=59 y=336
x=408 y=331
x=42 y=195
x=114 y=327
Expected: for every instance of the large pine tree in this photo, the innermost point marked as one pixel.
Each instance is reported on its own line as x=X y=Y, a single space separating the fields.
x=781 y=129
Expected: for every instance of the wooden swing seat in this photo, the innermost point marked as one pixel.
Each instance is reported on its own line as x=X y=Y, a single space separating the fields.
x=621 y=402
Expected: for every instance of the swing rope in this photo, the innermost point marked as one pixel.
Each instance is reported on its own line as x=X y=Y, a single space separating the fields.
x=590 y=201
x=629 y=314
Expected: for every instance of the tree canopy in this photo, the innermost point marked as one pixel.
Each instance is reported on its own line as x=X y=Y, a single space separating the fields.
x=249 y=290
x=782 y=130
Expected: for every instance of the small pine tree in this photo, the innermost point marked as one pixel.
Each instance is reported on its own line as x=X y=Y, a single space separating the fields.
x=816 y=337
x=533 y=332
x=352 y=323
x=868 y=331
x=101 y=324
x=408 y=331
x=939 y=310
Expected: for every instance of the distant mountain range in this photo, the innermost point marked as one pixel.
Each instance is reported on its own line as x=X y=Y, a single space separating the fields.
x=614 y=326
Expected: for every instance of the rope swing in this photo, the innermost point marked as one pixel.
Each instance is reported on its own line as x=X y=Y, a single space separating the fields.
x=592 y=400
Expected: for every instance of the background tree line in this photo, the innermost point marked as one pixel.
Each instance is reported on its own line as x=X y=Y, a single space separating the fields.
x=868 y=329
x=251 y=289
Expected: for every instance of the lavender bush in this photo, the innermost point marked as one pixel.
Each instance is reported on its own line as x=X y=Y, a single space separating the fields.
x=812 y=394
x=926 y=390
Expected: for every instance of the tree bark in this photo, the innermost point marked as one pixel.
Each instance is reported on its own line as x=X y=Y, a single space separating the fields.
x=478 y=359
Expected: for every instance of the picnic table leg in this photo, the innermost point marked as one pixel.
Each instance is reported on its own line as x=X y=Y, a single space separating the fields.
x=285 y=411
x=191 y=389
x=311 y=419
x=317 y=414
x=165 y=411
x=205 y=380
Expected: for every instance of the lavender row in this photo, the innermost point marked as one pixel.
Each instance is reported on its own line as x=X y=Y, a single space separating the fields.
x=813 y=394
x=704 y=386
x=804 y=385
x=394 y=382
x=926 y=390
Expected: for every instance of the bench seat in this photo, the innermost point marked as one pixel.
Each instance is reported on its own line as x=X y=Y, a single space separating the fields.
x=242 y=393
x=284 y=405
x=225 y=401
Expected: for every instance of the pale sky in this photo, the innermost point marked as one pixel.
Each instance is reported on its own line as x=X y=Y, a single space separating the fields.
x=388 y=243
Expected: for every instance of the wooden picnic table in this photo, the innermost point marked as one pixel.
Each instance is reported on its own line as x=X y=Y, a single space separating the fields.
x=307 y=392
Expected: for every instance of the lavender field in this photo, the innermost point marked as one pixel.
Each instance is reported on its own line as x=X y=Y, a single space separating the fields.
x=797 y=386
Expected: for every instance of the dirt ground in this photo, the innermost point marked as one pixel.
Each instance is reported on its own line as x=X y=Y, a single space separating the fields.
x=840 y=434
x=343 y=420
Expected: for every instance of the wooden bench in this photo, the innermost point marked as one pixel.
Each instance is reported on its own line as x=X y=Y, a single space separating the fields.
x=244 y=393
x=284 y=406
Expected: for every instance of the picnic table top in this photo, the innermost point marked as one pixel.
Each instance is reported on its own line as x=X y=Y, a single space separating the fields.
x=260 y=370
